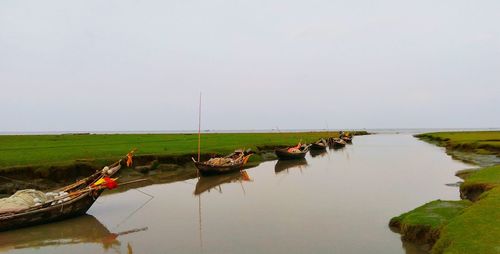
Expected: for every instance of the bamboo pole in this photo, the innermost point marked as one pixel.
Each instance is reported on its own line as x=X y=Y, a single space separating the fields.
x=199 y=129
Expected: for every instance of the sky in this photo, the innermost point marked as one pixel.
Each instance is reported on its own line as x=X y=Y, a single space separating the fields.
x=130 y=65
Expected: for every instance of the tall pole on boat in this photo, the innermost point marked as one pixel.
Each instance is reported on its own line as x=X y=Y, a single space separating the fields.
x=199 y=129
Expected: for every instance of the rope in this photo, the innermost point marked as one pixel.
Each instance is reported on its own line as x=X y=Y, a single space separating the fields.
x=136 y=210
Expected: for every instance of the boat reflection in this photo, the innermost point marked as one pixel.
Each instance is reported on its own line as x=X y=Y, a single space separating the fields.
x=83 y=229
x=285 y=165
x=207 y=183
x=320 y=153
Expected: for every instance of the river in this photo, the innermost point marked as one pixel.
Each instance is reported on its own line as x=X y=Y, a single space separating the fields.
x=339 y=201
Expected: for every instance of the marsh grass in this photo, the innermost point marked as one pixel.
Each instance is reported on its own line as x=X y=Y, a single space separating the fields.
x=481 y=142
x=423 y=224
x=461 y=226
x=37 y=150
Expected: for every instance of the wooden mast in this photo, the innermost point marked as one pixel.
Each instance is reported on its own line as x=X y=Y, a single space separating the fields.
x=199 y=129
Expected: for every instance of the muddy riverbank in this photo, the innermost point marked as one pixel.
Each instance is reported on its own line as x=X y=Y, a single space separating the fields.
x=171 y=169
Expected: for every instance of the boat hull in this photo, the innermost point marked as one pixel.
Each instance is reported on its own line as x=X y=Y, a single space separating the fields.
x=338 y=144
x=76 y=207
x=208 y=170
x=347 y=139
x=283 y=154
x=318 y=146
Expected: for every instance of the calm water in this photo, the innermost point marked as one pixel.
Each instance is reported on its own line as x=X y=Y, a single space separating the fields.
x=336 y=202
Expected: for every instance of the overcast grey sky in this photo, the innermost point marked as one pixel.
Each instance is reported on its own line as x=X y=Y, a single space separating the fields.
x=97 y=65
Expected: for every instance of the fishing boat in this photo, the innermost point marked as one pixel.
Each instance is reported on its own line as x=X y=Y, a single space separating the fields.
x=69 y=201
x=347 y=139
x=292 y=153
x=223 y=165
x=337 y=143
x=319 y=145
x=346 y=136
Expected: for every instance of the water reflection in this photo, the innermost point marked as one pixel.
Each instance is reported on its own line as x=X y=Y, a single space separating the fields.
x=67 y=232
x=207 y=183
x=341 y=203
x=318 y=152
x=336 y=148
x=285 y=165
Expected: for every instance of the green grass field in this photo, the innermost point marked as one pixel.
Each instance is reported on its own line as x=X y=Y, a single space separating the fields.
x=63 y=149
x=482 y=142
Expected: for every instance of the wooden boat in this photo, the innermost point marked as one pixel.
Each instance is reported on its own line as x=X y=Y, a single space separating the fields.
x=284 y=154
x=347 y=139
x=337 y=143
x=319 y=145
x=231 y=163
x=285 y=165
x=81 y=196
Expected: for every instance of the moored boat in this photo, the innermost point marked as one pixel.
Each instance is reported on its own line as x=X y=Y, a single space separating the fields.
x=223 y=165
x=346 y=136
x=337 y=143
x=73 y=200
x=292 y=153
x=319 y=145
x=347 y=139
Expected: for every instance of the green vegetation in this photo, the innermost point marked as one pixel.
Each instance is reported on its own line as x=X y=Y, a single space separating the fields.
x=461 y=226
x=481 y=142
x=476 y=230
x=489 y=175
x=433 y=214
x=483 y=179
x=49 y=150
x=424 y=223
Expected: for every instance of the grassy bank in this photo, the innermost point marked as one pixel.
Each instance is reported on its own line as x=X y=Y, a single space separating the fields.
x=423 y=225
x=477 y=229
x=480 y=142
x=33 y=150
x=460 y=226
x=49 y=161
x=42 y=150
